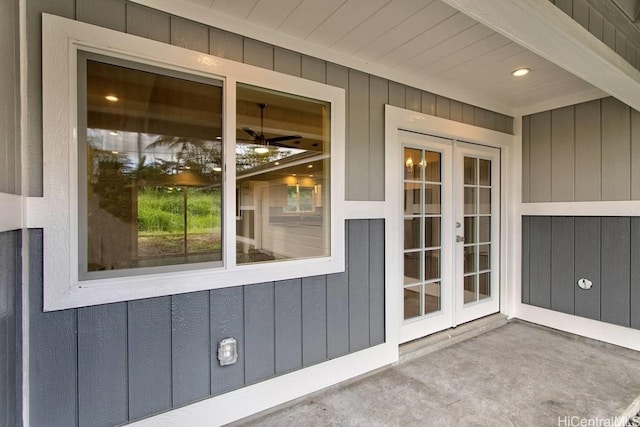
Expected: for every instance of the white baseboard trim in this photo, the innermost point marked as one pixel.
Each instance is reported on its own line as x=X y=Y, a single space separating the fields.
x=594 y=329
x=249 y=400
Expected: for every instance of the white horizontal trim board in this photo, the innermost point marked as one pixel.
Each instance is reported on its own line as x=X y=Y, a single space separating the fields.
x=10 y=212
x=617 y=208
x=594 y=329
x=249 y=400
x=363 y=210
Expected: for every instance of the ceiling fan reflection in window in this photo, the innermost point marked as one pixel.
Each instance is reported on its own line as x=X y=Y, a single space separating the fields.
x=262 y=143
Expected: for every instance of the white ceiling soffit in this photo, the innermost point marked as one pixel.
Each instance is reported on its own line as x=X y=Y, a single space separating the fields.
x=538 y=26
x=427 y=44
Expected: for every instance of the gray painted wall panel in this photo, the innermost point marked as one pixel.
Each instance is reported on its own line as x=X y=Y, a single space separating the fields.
x=442 y=107
x=635 y=155
x=53 y=359
x=615 y=273
x=587 y=265
x=634 y=300
x=9 y=98
x=146 y=22
x=358 y=232
x=526 y=157
x=540 y=262
x=287 y=62
x=562 y=264
x=149 y=344
x=227 y=321
x=397 y=95
x=565 y=5
x=455 y=113
x=105 y=13
x=609 y=35
x=616 y=162
x=189 y=34
x=588 y=152
x=10 y=366
x=378 y=97
x=190 y=347
x=358 y=180
x=314 y=320
x=376 y=281
x=540 y=157
x=226 y=45
x=337 y=315
x=562 y=154
x=258 y=54
x=468 y=114
x=428 y=103
x=596 y=24
x=313 y=69
x=259 y=332
x=288 y=325
x=102 y=365
x=526 y=253
x=413 y=99
x=581 y=13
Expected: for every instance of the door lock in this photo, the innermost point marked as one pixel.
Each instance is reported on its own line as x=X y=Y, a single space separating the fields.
x=459 y=238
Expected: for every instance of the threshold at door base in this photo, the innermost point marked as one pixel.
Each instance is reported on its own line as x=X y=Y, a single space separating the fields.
x=442 y=339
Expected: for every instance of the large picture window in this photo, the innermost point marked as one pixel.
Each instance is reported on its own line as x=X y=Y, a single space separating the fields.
x=150 y=168
x=169 y=171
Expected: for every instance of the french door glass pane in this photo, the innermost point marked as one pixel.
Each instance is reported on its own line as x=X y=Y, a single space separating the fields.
x=412 y=302
x=485 y=172
x=485 y=201
x=470 y=201
x=470 y=288
x=470 y=229
x=431 y=232
x=484 y=287
x=412 y=198
x=411 y=267
x=484 y=255
x=432 y=297
x=412 y=163
x=432 y=199
x=485 y=229
x=432 y=265
x=412 y=233
x=470 y=171
x=432 y=166
x=470 y=265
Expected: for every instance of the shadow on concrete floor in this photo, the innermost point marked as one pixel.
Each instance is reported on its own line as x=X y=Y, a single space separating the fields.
x=516 y=375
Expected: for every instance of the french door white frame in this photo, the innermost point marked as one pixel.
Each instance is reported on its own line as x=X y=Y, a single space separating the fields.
x=397 y=119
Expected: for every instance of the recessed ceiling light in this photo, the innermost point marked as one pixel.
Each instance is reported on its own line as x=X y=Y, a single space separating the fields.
x=310 y=166
x=293 y=174
x=111 y=98
x=114 y=133
x=114 y=152
x=521 y=72
x=218 y=138
x=217 y=169
x=277 y=163
x=261 y=150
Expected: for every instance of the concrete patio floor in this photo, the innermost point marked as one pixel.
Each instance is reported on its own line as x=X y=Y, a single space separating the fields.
x=515 y=375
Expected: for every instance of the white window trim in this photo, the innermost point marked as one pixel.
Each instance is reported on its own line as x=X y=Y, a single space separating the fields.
x=62 y=38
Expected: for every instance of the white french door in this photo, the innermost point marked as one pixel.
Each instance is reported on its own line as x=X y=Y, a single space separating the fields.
x=451 y=233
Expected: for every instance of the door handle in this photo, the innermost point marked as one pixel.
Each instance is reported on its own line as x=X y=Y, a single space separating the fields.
x=459 y=239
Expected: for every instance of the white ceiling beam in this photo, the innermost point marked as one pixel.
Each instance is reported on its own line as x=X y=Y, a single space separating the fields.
x=542 y=28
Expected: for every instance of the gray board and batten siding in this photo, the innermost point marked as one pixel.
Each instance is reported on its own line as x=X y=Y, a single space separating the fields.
x=10 y=329
x=558 y=251
x=366 y=94
x=110 y=364
x=583 y=152
x=9 y=98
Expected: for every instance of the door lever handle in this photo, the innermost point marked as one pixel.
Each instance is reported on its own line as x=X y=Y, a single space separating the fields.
x=459 y=238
